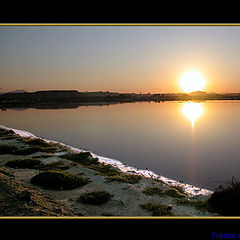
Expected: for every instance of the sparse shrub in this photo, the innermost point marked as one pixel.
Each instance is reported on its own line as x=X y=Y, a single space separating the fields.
x=4 y=149
x=157 y=209
x=179 y=188
x=152 y=191
x=9 y=137
x=200 y=205
x=95 y=198
x=35 y=142
x=4 y=132
x=27 y=151
x=57 y=179
x=48 y=149
x=105 y=170
x=43 y=145
x=45 y=156
x=225 y=200
x=173 y=192
x=25 y=163
x=84 y=158
x=128 y=178
x=24 y=196
x=55 y=165
x=34 y=149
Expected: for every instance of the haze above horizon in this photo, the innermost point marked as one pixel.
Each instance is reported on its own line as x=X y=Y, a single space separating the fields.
x=118 y=59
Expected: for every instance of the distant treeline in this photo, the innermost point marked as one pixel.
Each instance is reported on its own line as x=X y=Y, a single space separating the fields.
x=73 y=98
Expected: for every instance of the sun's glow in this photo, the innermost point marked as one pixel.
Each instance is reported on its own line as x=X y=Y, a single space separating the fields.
x=192 y=81
x=192 y=111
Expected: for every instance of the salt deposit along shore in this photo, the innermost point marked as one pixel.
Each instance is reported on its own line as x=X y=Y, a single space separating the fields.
x=110 y=188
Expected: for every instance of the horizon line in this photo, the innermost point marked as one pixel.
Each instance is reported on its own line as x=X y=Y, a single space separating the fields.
x=119 y=24
x=112 y=91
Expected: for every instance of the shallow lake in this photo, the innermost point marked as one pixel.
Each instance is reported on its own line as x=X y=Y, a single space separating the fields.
x=197 y=143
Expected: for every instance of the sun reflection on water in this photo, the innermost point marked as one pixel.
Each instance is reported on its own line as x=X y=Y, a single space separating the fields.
x=192 y=111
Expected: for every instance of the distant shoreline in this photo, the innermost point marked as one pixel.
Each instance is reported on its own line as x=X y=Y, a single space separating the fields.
x=61 y=99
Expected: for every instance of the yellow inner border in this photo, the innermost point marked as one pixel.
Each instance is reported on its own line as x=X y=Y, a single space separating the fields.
x=119 y=24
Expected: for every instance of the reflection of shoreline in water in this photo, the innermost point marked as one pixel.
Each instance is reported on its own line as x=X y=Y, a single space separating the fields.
x=60 y=106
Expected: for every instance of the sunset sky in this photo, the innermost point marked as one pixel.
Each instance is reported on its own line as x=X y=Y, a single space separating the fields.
x=118 y=58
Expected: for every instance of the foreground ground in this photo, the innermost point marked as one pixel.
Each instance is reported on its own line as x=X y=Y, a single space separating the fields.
x=71 y=184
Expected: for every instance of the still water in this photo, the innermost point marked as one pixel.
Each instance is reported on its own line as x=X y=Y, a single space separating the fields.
x=197 y=143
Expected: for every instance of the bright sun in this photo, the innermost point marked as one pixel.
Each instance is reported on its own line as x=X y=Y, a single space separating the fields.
x=192 y=81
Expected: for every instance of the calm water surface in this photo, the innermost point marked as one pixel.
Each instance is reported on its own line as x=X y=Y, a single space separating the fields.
x=198 y=143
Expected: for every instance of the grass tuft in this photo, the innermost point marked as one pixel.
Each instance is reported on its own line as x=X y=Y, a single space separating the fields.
x=4 y=132
x=55 y=165
x=4 y=149
x=152 y=191
x=105 y=170
x=200 y=205
x=84 y=158
x=27 y=151
x=25 y=163
x=35 y=142
x=157 y=209
x=95 y=198
x=59 y=180
x=127 y=178
x=179 y=188
x=173 y=192
x=225 y=200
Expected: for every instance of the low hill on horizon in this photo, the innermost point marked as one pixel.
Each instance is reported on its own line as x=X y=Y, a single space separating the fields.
x=65 y=98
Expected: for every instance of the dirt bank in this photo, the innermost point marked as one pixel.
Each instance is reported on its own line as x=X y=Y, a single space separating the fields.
x=106 y=190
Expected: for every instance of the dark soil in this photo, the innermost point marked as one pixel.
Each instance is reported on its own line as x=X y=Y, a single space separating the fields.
x=18 y=199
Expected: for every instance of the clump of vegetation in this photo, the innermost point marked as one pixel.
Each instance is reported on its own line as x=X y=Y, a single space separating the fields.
x=25 y=163
x=159 y=181
x=200 y=205
x=27 y=151
x=95 y=198
x=49 y=149
x=152 y=191
x=105 y=170
x=45 y=156
x=225 y=200
x=179 y=188
x=34 y=149
x=8 y=134
x=59 y=180
x=173 y=192
x=10 y=137
x=84 y=158
x=4 y=132
x=55 y=165
x=4 y=149
x=35 y=142
x=128 y=178
x=43 y=145
x=157 y=209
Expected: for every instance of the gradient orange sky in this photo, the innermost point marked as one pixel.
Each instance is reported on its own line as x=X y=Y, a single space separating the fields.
x=121 y=58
